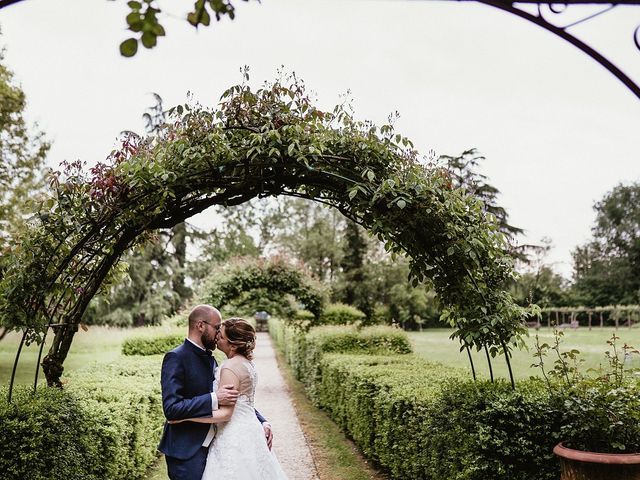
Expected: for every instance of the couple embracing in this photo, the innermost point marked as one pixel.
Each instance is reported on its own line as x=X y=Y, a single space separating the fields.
x=213 y=431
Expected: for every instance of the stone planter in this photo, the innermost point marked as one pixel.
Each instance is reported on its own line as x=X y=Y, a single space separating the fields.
x=579 y=465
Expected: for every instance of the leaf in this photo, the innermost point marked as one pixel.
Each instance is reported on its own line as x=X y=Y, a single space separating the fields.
x=205 y=18
x=158 y=30
x=134 y=5
x=371 y=176
x=84 y=327
x=149 y=40
x=133 y=18
x=451 y=251
x=129 y=47
x=401 y=204
x=352 y=194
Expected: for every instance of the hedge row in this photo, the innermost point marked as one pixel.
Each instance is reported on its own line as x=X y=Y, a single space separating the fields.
x=421 y=420
x=424 y=421
x=341 y=314
x=151 y=345
x=304 y=351
x=105 y=424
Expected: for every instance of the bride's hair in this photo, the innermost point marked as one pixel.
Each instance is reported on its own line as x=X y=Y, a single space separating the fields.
x=241 y=335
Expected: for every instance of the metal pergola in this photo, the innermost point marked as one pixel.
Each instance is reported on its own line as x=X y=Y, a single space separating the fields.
x=548 y=15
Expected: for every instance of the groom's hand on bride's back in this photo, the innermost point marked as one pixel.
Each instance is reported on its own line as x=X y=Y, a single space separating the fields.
x=227 y=395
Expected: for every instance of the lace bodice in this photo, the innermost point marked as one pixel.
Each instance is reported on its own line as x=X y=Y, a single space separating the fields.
x=245 y=371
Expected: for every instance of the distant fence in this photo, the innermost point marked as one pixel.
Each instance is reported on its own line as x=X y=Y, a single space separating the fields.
x=572 y=317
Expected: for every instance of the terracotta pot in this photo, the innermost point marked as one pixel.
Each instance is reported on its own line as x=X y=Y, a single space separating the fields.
x=579 y=465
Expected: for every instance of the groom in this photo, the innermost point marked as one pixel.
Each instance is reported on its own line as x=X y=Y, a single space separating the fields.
x=188 y=391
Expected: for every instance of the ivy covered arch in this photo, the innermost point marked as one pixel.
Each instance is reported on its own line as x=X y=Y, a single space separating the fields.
x=275 y=275
x=268 y=142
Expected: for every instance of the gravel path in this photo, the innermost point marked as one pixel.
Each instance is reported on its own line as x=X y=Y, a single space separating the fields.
x=274 y=402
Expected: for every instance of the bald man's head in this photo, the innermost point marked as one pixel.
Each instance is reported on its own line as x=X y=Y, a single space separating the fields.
x=204 y=326
x=203 y=313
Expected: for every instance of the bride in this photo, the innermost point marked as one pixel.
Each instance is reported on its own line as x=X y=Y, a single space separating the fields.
x=239 y=450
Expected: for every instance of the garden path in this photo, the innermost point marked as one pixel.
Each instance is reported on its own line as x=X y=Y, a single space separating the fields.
x=274 y=401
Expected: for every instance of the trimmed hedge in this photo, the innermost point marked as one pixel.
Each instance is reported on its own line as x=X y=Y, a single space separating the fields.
x=422 y=420
x=151 y=345
x=341 y=314
x=105 y=424
x=426 y=421
x=304 y=351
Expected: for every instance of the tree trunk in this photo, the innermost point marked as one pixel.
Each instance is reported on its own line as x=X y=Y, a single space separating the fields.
x=52 y=363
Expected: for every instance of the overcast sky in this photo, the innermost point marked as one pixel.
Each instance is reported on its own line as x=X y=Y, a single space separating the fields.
x=557 y=129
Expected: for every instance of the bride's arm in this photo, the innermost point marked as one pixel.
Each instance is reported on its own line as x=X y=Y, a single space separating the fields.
x=223 y=414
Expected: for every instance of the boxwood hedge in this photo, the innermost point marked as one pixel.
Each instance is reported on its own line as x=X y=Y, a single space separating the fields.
x=151 y=345
x=420 y=420
x=105 y=424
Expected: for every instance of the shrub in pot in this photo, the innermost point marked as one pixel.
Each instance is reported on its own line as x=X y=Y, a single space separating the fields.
x=600 y=427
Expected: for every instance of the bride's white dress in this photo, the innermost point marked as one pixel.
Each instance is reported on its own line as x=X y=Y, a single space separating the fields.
x=239 y=451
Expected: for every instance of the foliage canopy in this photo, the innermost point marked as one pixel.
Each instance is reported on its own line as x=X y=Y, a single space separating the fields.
x=268 y=142
x=274 y=278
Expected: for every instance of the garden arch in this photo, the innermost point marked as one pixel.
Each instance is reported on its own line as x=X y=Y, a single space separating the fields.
x=256 y=144
x=275 y=275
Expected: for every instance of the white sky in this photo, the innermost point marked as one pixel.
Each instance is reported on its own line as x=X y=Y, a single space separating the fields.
x=557 y=129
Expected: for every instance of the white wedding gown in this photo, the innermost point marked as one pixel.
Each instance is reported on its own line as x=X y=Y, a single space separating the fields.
x=239 y=451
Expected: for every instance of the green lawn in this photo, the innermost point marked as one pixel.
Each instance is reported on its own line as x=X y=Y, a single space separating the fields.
x=435 y=345
x=97 y=345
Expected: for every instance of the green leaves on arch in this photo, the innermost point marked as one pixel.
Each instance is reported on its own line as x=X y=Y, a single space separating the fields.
x=269 y=142
x=275 y=275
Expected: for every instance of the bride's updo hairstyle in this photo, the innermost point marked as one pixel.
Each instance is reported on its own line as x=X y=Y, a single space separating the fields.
x=241 y=335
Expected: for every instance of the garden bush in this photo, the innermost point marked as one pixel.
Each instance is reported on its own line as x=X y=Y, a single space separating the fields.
x=426 y=421
x=421 y=420
x=151 y=345
x=304 y=350
x=105 y=424
x=341 y=314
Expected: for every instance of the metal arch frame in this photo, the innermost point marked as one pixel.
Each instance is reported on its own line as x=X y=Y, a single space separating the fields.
x=562 y=30
x=540 y=20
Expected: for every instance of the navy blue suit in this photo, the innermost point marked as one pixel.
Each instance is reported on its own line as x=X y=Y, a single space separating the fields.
x=187 y=382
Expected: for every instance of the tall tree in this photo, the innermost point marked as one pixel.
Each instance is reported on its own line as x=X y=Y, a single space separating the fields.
x=312 y=234
x=607 y=269
x=147 y=295
x=354 y=288
x=538 y=283
x=22 y=158
x=22 y=163
x=464 y=173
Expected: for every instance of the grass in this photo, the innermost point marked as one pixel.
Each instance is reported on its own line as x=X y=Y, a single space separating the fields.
x=99 y=345
x=158 y=471
x=435 y=345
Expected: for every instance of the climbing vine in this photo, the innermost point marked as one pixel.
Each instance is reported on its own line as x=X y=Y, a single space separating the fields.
x=274 y=278
x=267 y=142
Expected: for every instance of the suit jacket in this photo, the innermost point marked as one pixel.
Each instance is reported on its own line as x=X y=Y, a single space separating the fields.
x=187 y=382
